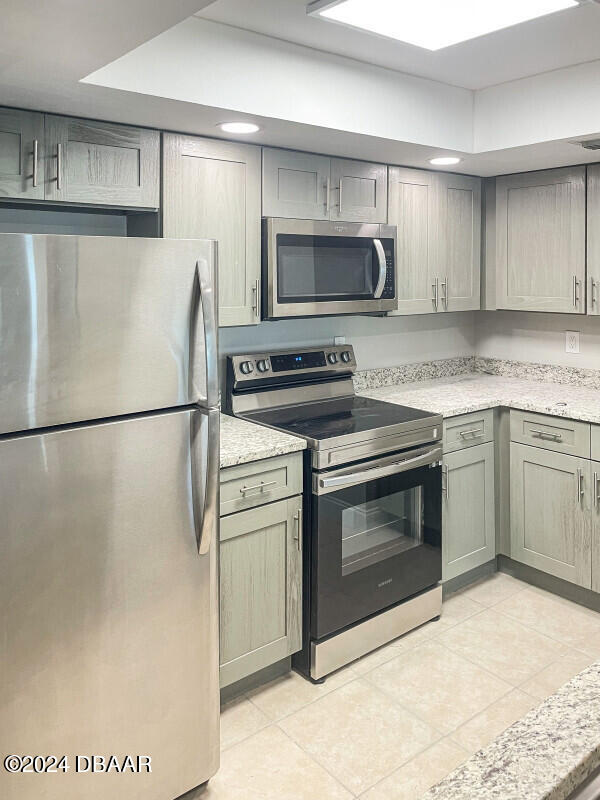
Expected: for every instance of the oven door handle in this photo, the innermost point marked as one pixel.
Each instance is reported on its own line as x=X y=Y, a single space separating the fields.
x=382 y=269
x=339 y=481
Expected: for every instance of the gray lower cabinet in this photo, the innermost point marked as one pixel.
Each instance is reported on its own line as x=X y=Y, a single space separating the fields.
x=596 y=526
x=211 y=190
x=311 y=186
x=551 y=520
x=260 y=587
x=21 y=154
x=541 y=241
x=468 y=514
x=101 y=163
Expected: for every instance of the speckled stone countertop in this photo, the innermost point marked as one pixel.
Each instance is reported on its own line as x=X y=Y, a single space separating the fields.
x=544 y=756
x=475 y=391
x=242 y=442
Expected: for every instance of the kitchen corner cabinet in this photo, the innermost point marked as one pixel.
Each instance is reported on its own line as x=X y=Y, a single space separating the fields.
x=438 y=217
x=468 y=512
x=593 y=239
x=550 y=505
x=541 y=241
x=308 y=186
x=212 y=190
x=260 y=588
x=21 y=154
x=101 y=163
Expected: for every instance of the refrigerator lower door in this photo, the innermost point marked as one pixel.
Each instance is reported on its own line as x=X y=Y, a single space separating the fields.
x=97 y=326
x=109 y=615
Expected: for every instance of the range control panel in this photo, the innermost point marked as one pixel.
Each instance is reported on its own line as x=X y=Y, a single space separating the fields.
x=307 y=362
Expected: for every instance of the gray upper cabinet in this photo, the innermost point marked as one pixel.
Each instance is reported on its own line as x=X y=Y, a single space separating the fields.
x=540 y=241
x=101 y=164
x=308 y=186
x=359 y=191
x=469 y=533
x=211 y=189
x=593 y=239
x=460 y=211
x=413 y=208
x=551 y=512
x=260 y=588
x=21 y=154
x=438 y=217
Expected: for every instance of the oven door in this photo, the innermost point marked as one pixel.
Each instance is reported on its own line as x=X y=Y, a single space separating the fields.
x=376 y=537
x=324 y=268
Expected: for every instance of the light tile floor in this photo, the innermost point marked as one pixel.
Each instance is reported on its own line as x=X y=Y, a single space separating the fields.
x=394 y=723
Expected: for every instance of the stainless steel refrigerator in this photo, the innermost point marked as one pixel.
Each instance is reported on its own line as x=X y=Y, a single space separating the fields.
x=109 y=465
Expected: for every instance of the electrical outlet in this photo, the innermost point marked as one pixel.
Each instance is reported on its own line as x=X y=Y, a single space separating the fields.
x=339 y=340
x=572 y=341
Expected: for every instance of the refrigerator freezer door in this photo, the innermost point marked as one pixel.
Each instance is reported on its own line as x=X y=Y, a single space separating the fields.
x=108 y=614
x=94 y=327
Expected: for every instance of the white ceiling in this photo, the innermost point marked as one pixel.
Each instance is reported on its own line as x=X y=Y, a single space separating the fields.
x=548 y=43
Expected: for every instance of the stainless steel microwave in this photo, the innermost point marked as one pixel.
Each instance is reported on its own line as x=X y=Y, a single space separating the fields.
x=327 y=268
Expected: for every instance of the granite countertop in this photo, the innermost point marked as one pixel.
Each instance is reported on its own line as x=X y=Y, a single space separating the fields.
x=544 y=756
x=462 y=394
x=242 y=442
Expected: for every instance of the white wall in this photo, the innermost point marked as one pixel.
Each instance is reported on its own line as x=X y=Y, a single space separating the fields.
x=538 y=337
x=377 y=341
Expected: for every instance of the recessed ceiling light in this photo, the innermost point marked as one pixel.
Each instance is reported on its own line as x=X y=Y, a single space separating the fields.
x=434 y=24
x=445 y=161
x=239 y=127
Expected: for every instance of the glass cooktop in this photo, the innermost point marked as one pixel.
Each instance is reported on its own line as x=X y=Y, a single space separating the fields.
x=341 y=416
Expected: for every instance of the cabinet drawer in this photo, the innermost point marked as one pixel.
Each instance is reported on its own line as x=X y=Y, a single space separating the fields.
x=250 y=485
x=596 y=442
x=551 y=433
x=468 y=430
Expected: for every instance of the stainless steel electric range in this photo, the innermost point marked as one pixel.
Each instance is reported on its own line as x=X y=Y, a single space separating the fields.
x=373 y=499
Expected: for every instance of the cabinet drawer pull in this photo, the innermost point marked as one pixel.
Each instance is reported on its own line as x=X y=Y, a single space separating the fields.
x=472 y=432
x=553 y=437
x=260 y=487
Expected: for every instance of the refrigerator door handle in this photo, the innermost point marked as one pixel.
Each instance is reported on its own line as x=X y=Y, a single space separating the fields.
x=207 y=299
x=205 y=519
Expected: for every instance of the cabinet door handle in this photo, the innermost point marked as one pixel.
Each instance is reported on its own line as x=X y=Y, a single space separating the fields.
x=35 y=163
x=340 y=200
x=445 y=481
x=594 y=296
x=59 y=166
x=580 y=487
x=445 y=292
x=327 y=195
x=596 y=487
x=298 y=527
x=576 y=285
x=258 y=486
x=436 y=289
x=553 y=437
x=255 y=298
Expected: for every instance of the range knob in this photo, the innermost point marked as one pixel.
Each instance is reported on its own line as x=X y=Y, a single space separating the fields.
x=332 y=358
x=346 y=357
x=263 y=365
x=246 y=367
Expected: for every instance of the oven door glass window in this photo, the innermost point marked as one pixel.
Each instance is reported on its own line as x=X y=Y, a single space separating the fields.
x=373 y=545
x=381 y=528
x=325 y=268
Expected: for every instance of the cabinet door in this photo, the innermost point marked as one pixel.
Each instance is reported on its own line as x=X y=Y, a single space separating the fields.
x=413 y=208
x=540 y=241
x=460 y=211
x=359 y=191
x=550 y=512
x=100 y=163
x=295 y=185
x=211 y=190
x=468 y=528
x=261 y=588
x=593 y=239
x=21 y=139
x=595 y=526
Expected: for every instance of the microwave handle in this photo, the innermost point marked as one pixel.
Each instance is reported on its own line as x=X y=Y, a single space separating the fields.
x=382 y=269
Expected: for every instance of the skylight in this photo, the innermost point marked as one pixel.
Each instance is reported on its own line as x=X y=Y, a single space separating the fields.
x=434 y=24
